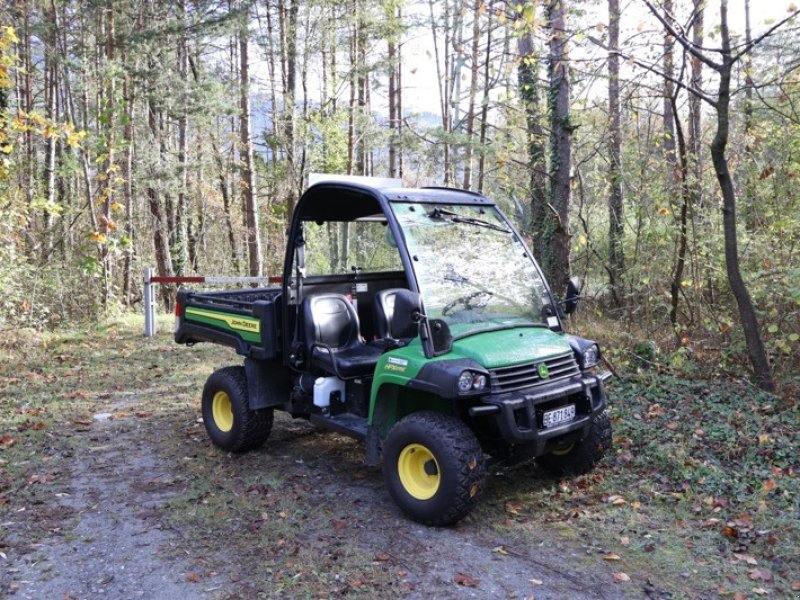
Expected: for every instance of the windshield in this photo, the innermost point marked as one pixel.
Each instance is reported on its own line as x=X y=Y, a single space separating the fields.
x=472 y=270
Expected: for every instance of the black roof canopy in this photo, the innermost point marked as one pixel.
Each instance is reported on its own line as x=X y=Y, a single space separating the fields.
x=344 y=201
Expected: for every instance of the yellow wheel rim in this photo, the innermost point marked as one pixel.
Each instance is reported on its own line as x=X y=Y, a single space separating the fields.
x=563 y=451
x=419 y=471
x=222 y=411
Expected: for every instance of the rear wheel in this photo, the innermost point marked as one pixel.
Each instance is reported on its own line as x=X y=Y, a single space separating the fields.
x=434 y=468
x=230 y=423
x=580 y=457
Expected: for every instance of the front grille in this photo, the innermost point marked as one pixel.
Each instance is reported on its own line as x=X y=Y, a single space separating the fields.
x=508 y=379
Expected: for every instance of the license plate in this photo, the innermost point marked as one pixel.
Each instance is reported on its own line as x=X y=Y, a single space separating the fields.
x=560 y=415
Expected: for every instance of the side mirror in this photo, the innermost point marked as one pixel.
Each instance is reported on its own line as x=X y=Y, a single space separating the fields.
x=441 y=338
x=570 y=302
x=406 y=316
x=408 y=322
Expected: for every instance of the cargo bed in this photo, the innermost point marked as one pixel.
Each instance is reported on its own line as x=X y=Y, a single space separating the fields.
x=247 y=320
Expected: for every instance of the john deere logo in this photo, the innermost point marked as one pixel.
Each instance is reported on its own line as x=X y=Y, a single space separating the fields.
x=544 y=372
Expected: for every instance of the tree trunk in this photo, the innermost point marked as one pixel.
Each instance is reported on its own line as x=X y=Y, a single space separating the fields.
x=391 y=42
x=289 y=42
x=528 y=76
x=160 y=228
x=127 y=174
x=680 y=260
x=351 y=107
x=473 y=92
x=51 y=142
x=487 y=86
x=749 y=127
x=616 y=257
x=248 y=185
x=556 y=230
x=747 y=314
x=180 y=254
x=669 y=113
x=109 y=168
x=695 y=114
x=444 y=83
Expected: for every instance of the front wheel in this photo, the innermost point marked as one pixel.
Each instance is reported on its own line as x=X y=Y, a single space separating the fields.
x=229 y=422
x=434 y=467
x=580 y=457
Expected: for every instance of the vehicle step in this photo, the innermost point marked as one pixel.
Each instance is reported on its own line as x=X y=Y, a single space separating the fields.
x=346 y=423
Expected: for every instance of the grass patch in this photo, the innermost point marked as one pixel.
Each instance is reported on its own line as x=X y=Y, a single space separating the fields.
x=700 y=490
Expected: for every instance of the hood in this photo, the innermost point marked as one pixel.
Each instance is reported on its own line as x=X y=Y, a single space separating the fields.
x=508 y=347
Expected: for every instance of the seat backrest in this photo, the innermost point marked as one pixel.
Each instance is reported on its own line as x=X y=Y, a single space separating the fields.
x=330 y=319
x=383 y=310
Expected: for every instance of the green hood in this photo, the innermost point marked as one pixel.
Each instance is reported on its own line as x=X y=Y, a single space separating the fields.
x=511 y=346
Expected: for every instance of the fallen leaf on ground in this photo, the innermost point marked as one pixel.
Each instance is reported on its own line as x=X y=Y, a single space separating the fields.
x=500 y=550
x=624 y=540
x=536 y=581
x=620 y=577
x=193 y=577
x=759 y=574
x=760 y=591
x=6 y=441
x=769 y=485
x=730 y=532
x=746 y=558
x=465 y=580
x=672 y=426
x=795 y=586
x=82 y=421
x=382 y=557
x=513 y=508
x=611 y=557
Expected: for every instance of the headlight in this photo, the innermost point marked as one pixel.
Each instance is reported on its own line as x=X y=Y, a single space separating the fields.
x=471 y=382
x=591 y=356
x=465 y=382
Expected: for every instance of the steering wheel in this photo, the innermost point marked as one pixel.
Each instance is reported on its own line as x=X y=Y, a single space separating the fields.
x=465 y=300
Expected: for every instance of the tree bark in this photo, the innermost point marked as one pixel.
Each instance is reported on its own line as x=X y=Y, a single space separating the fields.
x=248 y=184
x=109 y=167
x=669 y=94
x=181 y=249
x=749 y=126
x=444 y=83
x=695 y=143
x=615 y=199
x=528 y=77
x=747 y=314
x=127 y=174
x=473 y=92
x=487 y=86
x=556 y=229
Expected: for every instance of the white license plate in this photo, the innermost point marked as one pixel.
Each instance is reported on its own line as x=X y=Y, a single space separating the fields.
x=560 y=415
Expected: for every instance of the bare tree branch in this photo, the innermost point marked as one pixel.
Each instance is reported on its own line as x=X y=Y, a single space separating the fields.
x=651 y=68
x=681 y=38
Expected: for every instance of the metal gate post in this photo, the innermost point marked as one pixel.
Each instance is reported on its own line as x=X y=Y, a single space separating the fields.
x=149 y=304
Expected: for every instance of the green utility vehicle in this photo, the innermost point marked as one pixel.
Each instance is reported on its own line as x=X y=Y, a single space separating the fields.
x=416 y=321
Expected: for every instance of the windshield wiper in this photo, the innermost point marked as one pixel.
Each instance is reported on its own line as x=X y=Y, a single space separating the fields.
x=439 y=213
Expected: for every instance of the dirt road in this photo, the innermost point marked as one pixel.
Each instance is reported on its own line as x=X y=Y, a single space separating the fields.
x=122 y=516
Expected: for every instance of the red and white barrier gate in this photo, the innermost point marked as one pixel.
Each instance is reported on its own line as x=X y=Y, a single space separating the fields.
x=150 y=297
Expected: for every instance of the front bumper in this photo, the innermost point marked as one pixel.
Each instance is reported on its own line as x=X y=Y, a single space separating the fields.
x=518 y=415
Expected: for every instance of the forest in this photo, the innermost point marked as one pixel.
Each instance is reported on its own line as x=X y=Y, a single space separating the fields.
x=649 y=147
